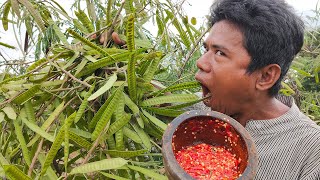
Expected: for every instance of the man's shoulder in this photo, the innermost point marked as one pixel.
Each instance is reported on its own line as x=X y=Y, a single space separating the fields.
x=308 y=132
x=308 y=124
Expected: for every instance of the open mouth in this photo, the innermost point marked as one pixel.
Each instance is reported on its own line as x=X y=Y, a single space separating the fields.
x=207 y=95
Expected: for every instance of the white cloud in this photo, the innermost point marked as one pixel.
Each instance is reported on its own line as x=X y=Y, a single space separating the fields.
x=303 y=5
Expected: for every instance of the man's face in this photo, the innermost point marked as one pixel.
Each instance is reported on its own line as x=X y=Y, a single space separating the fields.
x=222 y=70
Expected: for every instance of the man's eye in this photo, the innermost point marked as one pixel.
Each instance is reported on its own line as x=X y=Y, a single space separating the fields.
x=219 y=53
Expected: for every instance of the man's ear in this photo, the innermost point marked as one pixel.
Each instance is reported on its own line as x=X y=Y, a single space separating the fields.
x=268 y=76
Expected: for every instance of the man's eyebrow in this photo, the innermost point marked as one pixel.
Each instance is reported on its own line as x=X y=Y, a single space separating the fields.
x=216 y=46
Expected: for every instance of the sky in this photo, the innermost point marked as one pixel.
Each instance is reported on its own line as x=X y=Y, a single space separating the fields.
x=193 y=8
x=199 y=10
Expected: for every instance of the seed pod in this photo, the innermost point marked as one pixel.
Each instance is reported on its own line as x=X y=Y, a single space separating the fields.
x=116 y=39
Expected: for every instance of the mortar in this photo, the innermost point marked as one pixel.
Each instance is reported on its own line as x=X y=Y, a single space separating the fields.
x=213 y=128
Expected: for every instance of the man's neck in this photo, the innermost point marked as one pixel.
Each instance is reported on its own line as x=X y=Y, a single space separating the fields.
x=269 y=109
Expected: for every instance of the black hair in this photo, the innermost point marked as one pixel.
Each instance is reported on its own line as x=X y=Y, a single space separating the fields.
x=273 y=33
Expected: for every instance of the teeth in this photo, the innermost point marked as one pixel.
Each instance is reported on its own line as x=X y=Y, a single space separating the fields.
x=207 y=99
x=208 y=95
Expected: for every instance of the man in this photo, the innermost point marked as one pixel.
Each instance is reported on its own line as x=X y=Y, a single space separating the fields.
x=248 y=52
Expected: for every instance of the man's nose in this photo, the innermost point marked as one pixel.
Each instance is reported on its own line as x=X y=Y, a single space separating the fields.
x=201 y=64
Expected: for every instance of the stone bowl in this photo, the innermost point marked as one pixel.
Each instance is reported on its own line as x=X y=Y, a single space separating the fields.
x=186 y=130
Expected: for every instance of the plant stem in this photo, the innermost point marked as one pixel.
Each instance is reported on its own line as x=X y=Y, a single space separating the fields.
x=69 y=74
x=35 y=157
x=94 y=145
x=9 y=100
x=189 y=55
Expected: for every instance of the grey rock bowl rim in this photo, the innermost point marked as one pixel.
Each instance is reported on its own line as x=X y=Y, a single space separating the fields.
x=167 y=153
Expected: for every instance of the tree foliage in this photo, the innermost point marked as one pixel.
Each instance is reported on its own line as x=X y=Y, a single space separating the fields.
x=90 y=106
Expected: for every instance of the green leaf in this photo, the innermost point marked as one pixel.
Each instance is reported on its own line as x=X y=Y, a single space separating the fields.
x=67 y=123
x=84 y=104
x=79 y=140
x=287 y=87
x=48 y=122
x=30 y=111
x=5 y=13
x=81 y=133
x=1 y=117
x=3 y=160
x=7 y=45
x=38 y=130
x=159 y=23
x=111 y=143
x=50 y=173
x=298 y=82
x=9 y=111
x=14 y=173
x=118 y=124
x=132 y=82
x=139 y=42
x=53 y=116
x=148 y=172
x=81 y=66
x=302 y=72
x=113 y=176
x=155 y=120
x=119 y=111
x=53 y=151
x=91 y=10
x=34 y=13
x=24 y=148
x=104 y=88
x=83 y=18
x=181 y=86
x=153 y=67
x=92 y=45
x=128 y=6
x=25 y=96
x=90 y=58
x=179 y=28
x=143 y=135
x=99 y=166
x=78 y=25
x=100 y=112
x=58 y=32
x=125 y=154
x=316 y=76
x=130 y=32
x=193 y=21
x=134 y=108
x=154 y=130
x=41 y=75
x=105 y=61
x=183 y=105
x=119 y=140
x=165 y=111
x=16 y=8
x=170 y=99
x=132 y=135
x=71 y=60
x=38 y=63
x=106 y=116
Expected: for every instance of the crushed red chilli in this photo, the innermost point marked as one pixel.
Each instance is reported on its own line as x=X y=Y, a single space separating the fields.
x=203 y=161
